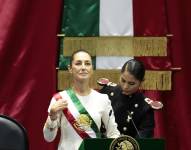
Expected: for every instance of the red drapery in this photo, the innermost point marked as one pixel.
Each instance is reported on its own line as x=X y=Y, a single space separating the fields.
x=28 y=49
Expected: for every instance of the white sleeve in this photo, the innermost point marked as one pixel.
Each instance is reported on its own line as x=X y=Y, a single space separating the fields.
x=109 y=120
x=51 y=127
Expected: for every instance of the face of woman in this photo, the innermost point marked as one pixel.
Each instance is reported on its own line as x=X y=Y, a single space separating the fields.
x=129 y=83
x=81 y=67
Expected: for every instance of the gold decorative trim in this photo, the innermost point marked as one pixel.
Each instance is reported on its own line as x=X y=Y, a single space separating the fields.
x=154 y=80
x=117 y=45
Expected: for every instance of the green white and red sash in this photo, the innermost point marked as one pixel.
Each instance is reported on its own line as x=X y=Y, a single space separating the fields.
x=82 y=111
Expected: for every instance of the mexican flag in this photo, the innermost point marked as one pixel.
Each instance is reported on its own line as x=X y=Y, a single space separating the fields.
x=88 y=18
x=99 y=18
x=117 y=18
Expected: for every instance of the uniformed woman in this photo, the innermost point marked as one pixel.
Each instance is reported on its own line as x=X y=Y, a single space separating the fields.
x=133 y=111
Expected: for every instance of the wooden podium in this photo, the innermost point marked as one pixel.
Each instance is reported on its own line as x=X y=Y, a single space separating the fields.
x=104 y=144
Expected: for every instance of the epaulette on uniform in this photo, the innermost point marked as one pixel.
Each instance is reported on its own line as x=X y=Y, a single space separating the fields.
x=111 y=84
x=154 y=104
x=105 y=82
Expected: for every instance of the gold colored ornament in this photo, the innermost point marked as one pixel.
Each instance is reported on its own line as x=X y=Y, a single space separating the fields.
x=83 y=122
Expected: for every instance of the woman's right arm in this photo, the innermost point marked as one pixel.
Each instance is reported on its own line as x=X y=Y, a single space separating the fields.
x=54 y=118
x=50 y=129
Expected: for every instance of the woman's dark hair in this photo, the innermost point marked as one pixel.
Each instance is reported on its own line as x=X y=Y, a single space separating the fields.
x=134 y=67
x=77 y=51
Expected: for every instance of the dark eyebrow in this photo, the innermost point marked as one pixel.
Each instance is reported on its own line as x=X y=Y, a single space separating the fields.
x=77 y=60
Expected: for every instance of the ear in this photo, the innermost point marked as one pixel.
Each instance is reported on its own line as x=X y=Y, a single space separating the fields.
x=69 y=69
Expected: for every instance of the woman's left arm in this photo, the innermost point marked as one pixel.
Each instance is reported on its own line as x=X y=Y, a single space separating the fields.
x=146 y=128
x=109 y=120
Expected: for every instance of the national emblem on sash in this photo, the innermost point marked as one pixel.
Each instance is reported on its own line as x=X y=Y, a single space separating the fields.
x=83 y=122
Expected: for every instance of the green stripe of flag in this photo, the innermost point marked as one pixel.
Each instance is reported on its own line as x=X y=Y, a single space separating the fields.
x=81 y=18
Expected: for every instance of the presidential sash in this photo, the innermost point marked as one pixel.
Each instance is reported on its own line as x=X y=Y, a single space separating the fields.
x=83 y=121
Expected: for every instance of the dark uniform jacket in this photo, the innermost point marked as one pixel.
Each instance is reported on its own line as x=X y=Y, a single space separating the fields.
x=133 y=115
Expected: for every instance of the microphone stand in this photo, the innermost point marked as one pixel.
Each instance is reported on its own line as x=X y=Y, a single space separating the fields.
x=131 y=118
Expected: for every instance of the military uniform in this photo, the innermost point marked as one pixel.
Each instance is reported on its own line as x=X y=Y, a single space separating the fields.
x=133 y=114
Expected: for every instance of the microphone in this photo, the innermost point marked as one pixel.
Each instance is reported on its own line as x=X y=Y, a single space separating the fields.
x=130 y=117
